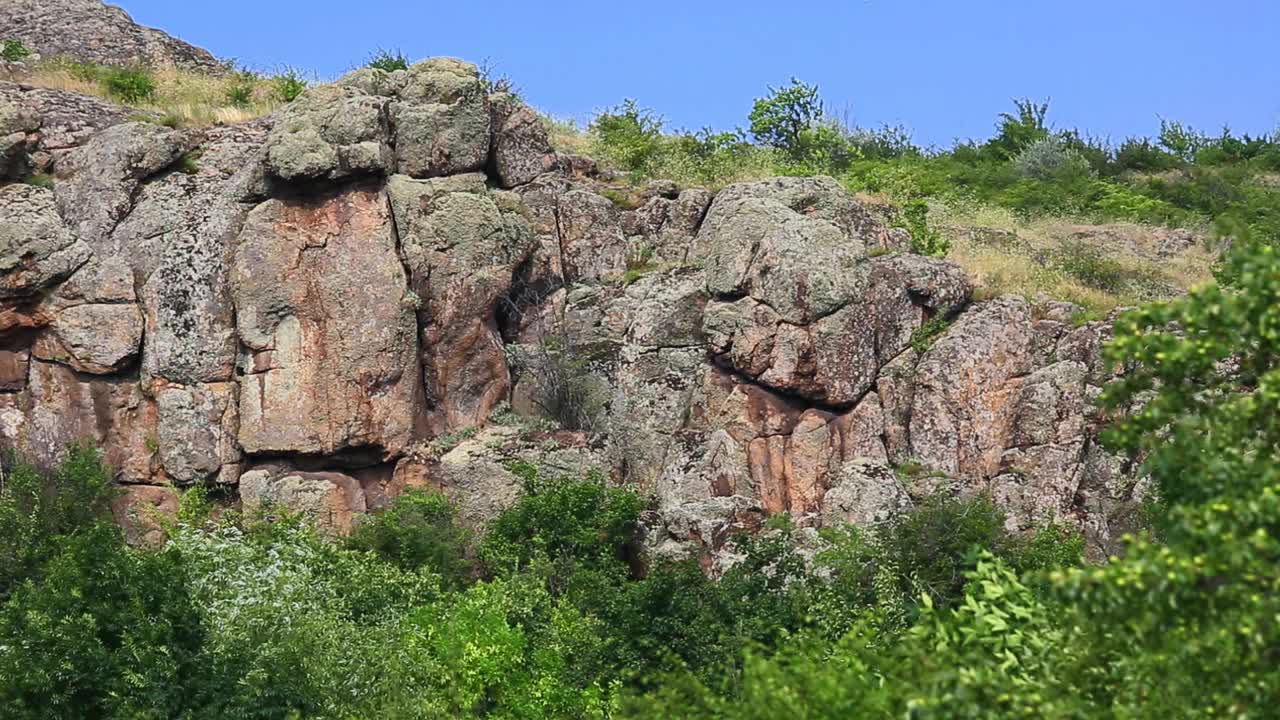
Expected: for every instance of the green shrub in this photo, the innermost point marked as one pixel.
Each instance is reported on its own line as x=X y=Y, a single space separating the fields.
x=1050 y=158
x=629 y=135
x=13 y=51
x=289 y=84
x=387 y=60
x=562 y=520
x=418 y=532
x=925 y=239
x=37 y=510
x=922 y=337
x=932 y=545
x=782 y=118
x=105 y=633
x=241 y=89
x=1020 y=129
x=1142 y=155
x=129 y=85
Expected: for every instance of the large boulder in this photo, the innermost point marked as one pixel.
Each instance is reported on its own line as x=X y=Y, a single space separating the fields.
x=441 y=117
x=329 y=352
x=521 y=150
x=333 y=501
x=102 y=177
x=94 y=338
x=330 y=132
x=94 y=32
x=36 y=248
x=967 y=386
x=836 y=358
x=461 y=250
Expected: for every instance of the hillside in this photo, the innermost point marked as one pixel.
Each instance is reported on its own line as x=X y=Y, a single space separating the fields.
x=399 y=356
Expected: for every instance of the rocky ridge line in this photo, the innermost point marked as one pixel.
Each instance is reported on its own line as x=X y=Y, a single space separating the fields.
x=353 y=297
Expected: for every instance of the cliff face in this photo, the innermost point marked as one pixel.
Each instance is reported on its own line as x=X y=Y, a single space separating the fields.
x=386 y=283
x=91 y=31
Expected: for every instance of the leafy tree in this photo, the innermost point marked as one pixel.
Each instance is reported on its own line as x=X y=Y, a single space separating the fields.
x=1016 y=131
x=629 y=134
x=37 y=510
x=418 y=531
x=782 y=118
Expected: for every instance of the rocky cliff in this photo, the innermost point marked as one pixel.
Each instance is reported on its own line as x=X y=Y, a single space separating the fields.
x=395 y=281
x=93 y=32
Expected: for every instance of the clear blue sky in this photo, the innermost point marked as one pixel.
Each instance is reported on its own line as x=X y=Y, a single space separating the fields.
x=944 y=68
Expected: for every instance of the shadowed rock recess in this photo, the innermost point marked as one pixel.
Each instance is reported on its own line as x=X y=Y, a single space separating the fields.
x=388 y=282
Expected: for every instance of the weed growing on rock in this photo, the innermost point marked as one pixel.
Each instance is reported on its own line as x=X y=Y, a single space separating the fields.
x=13 y=51
x=129 y=85
x=387 y=60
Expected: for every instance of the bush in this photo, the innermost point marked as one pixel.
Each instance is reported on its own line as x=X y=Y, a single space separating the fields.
x=784 y=117
x=13 y=51
x=1050 y=158
x=629 y=135
x=1142 y=155
x=37 y=510
x=925 y=239
x=129 y=85
x=418 y=532
x=889 y=142
x=289 y=84
x=932 y=545
x=241 y=88
x=562 y=520
x=1017 y=131
x=387 y=60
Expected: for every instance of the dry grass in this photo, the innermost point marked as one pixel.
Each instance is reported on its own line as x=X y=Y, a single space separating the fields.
x=1097 y=266
x=182 y=98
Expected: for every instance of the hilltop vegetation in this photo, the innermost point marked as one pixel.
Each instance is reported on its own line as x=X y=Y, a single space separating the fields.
x=937 y=614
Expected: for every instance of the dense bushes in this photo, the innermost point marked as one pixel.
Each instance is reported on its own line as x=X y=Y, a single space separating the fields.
x=1181 y=178
x=938 y=614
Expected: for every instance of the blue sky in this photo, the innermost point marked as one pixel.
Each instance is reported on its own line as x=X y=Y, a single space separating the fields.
x=943 y=68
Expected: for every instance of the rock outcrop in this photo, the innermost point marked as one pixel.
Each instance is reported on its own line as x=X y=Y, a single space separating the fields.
x=386 y=284
x=91 y=31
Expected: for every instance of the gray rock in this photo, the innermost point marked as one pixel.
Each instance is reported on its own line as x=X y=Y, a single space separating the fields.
x=330 y=132
x=333 y=501
x=95 y=338
x=329 y=350
x=461 y=251
x=865 y=493
x=441 y=118
x=521 y=150
x=36 y=248
x=94 y=32
x=103 y=176
x=196 y=431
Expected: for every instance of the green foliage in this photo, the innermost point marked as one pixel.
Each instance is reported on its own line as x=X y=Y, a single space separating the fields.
x=783 y=118
x=922 y=337
x=387 y=60
x=630 y=135
x=1017 y=131
x=931 y=545
x=37 y=510
x=562 y=521
x=289 y=84
x=1050 y=158
x=241 y=88
x=418 y=532
x=104 y=633
x=13 y=51
x=925 y=239
x=132 y=85
x=41 y=180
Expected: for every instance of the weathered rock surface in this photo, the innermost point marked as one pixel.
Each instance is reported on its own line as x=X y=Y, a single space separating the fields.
x=326 y=307
x=37 y=249
x=94 y=32
x=333 y=501
x=328 y=357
